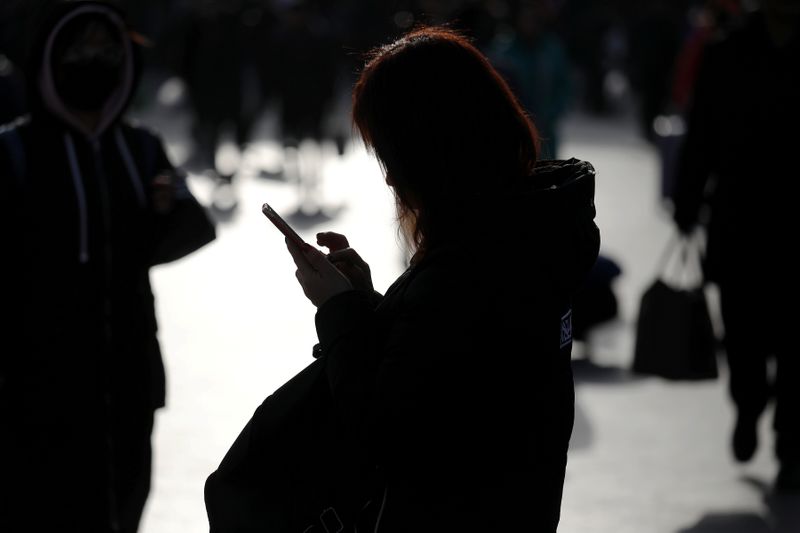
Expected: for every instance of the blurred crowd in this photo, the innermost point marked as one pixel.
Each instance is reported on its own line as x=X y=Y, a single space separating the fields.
x=300 y=58
x=237 y=56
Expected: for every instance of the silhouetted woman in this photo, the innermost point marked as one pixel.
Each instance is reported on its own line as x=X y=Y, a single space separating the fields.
x=447 y=403
x=458 y=380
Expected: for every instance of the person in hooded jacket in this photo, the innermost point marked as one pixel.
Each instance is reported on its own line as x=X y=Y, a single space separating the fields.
x=457 y=382
x=92 y=202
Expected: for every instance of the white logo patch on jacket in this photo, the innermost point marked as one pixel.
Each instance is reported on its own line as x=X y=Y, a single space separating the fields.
x=566 y=328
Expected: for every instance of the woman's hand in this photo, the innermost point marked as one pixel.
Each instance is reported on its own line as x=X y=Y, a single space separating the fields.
x=320 y=279
x=346 y=260
x=162 y=194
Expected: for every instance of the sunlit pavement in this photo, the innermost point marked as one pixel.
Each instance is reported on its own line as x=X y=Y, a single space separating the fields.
x=647 y=456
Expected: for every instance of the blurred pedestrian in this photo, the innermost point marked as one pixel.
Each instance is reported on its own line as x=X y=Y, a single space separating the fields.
x=213 y=67
x=706 y=22
x=304 y=63
x=654 y=44
x=589 y=28
x=457 y=383
x=92 y=204
x=536 y=64
x=220 y=73
x=739 y=181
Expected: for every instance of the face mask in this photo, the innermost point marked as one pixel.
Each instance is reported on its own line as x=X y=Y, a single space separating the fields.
x=87 y=85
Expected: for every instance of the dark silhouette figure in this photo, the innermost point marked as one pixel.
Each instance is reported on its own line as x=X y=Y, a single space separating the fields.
x=303 y=64
x=454 y=387
x=304 y=59
x=92 y=204
x=220 y=41
x=738 y=179
x=704 y=23
x=586 y=26
x=654 y=44
x=535 y=63
x=214 y=69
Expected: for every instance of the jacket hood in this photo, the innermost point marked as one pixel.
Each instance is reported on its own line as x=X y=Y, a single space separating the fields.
x=556 y=219
x=545 y=225
x=44 y=97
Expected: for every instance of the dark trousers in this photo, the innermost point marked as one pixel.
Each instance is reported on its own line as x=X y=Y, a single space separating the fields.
x=65 y=472
x=132 y=467
x=759 y=325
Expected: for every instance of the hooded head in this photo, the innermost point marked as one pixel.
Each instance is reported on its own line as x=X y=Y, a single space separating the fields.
x=83 y=62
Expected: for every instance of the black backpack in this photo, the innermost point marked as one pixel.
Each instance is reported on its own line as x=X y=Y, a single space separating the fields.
x=292 y=470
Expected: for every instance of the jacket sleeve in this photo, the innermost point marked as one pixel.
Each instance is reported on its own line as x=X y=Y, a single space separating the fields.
x=187 y=226
x=698 y=158
x=405 y=383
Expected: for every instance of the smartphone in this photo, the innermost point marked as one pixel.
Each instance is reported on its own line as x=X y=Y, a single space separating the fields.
x=282 y=225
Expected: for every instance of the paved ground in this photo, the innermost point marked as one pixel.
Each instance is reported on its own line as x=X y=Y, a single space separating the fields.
x=647 y=456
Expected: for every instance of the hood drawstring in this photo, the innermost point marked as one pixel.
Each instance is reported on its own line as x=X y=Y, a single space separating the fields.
x=80 y=191
x=130 y=165
x=80 y=194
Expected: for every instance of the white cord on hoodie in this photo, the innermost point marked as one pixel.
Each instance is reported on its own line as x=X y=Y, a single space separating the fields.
x=383 y=506
x=80 y=193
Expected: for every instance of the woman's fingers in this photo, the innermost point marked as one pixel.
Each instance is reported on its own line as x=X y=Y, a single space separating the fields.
x=297 y=254
x=343 y=257
x=318 y=277
x=348 y=256
x=333 y=241
x=315 y=258
x=351 y=265
x=307 y=256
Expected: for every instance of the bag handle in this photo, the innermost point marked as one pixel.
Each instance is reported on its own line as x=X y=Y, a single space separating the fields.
x=690 y=253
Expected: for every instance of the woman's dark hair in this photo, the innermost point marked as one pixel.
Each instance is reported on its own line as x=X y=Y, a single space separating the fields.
x=445 y=127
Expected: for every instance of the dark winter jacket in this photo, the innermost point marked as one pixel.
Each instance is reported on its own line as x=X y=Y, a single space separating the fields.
x=458 y=382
